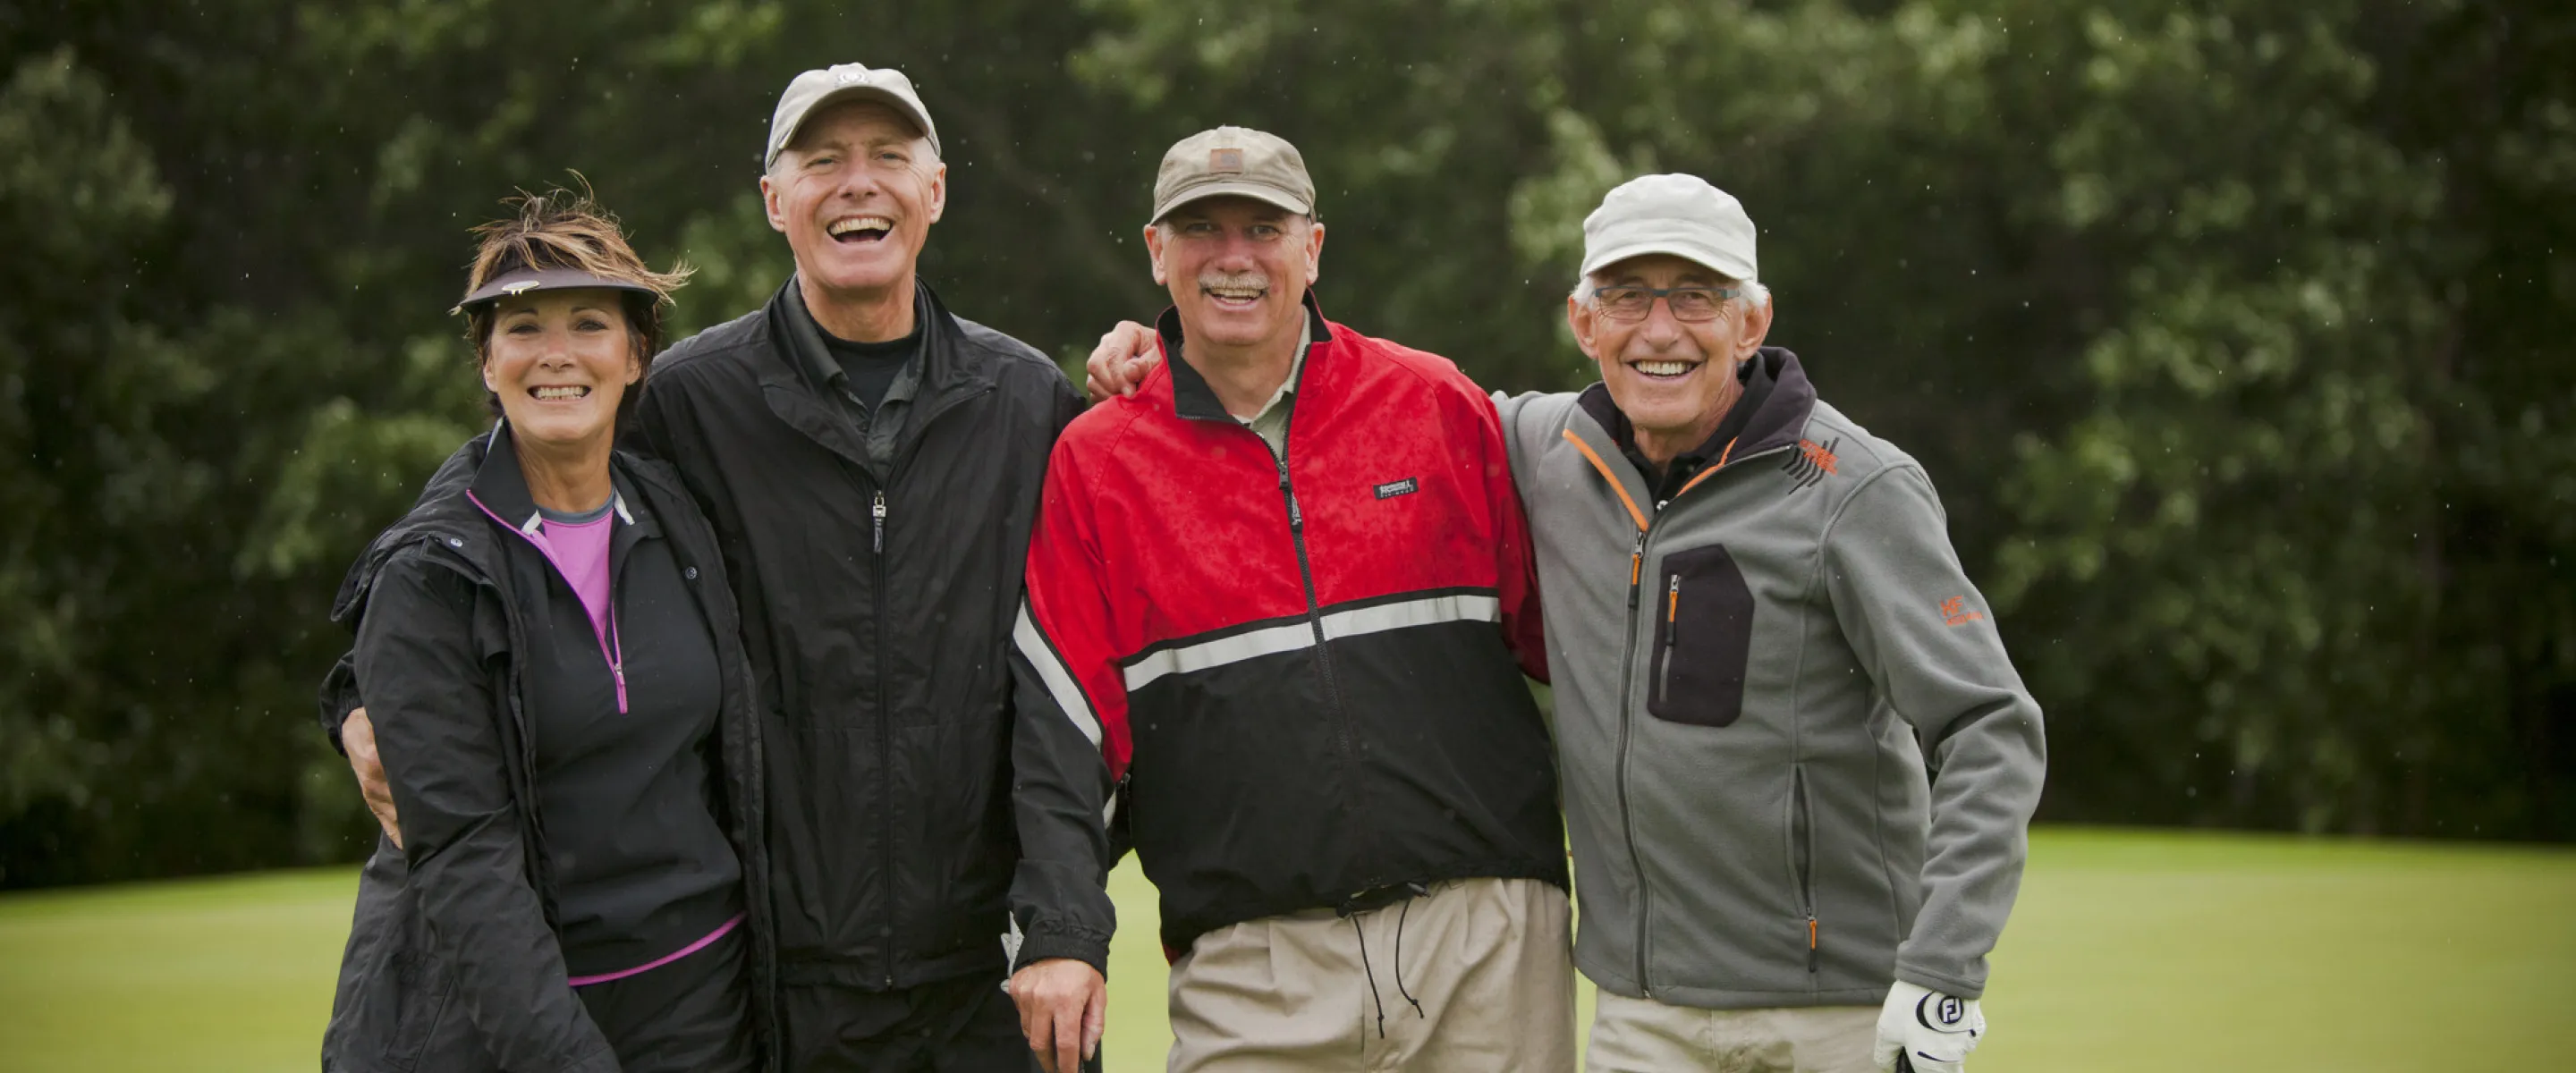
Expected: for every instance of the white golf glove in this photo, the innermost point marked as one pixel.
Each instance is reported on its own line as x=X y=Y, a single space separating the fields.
x=1931 y=1030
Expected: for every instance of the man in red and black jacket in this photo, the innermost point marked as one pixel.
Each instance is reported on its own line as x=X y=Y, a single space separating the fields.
x=1270 y=632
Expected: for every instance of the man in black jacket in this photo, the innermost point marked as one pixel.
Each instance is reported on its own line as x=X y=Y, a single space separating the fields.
x=871 y=463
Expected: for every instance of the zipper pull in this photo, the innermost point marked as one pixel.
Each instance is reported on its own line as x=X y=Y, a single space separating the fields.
x=1636 y=568
x=1672 y=611
x=1296 y=517
x=876 y=516
x=1812 y=954
x=613 y=649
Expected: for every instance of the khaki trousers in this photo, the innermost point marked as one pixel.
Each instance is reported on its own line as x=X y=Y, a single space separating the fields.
x=1489 y=961
x=1631 y=1035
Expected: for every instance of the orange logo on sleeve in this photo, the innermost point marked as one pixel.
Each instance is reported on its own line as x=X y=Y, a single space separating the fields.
x=1812 y=463
x=1820 y=456
x=1954 y=612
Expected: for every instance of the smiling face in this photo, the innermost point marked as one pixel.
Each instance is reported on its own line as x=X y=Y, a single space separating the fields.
x=1673 y=380
x=855 y=194
x=1238 y=270
x=561 y=361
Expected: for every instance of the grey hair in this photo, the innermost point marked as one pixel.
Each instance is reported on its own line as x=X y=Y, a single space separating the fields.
x=1755 y=295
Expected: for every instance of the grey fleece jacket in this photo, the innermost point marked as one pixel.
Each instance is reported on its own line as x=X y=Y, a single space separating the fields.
x=1748 y=679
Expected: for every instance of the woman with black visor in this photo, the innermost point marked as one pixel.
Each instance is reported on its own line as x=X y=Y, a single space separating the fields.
x=548 y=652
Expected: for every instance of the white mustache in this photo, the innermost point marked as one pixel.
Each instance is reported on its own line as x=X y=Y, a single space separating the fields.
x=1248 y=280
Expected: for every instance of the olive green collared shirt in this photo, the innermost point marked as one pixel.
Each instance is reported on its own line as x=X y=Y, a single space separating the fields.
x=1271 y=422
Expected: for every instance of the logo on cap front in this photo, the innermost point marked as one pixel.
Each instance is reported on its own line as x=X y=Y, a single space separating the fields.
x=522 y=287
x=1226 y=161
x=848 y=73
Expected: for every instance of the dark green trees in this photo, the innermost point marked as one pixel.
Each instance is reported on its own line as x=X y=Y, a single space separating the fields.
x=2234 y=331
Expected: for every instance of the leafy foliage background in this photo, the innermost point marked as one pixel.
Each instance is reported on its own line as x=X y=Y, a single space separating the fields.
x=2234 y=331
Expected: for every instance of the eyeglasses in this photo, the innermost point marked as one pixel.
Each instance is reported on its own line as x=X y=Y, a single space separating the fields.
x=1690 y=305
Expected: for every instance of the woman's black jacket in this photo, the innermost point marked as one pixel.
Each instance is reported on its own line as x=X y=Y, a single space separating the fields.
x=452 y=962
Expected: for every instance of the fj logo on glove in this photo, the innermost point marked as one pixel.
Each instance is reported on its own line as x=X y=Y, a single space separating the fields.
x=1392 y=489
x=1951 y=1010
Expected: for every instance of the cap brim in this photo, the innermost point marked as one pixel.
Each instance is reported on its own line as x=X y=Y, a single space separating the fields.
x=1721 y=264
x=1268 y=195
x=879 y=94
x=527 y=281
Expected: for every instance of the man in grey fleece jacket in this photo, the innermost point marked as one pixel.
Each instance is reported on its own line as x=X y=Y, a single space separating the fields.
x=1758 y=633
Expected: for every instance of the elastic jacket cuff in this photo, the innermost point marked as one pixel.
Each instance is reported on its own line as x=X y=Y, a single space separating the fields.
x=1954 y=986
x=1065 y=943
x=331 y=726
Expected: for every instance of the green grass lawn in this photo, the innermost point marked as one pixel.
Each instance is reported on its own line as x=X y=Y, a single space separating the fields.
x=2129 y=951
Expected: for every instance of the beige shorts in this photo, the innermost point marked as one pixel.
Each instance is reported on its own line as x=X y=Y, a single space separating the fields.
x=1488 y=961
x=1631 y=1035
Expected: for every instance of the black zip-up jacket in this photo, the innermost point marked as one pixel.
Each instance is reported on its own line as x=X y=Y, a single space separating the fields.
x=878 y=583
x=452 y=962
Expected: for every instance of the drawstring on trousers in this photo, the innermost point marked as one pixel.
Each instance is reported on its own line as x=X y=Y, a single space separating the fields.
x=1412 y=891
x=1400 y=914
x=1372 y=977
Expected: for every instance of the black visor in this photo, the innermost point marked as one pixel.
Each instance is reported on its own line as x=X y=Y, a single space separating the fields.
x=525 y=280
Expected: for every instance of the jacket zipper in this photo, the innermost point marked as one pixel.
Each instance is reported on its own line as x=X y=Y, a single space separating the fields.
x=885 y=726
x=1672 y=631
x=916 y=426
x=614 y=647
x=1802 y=835
x=1314 y=607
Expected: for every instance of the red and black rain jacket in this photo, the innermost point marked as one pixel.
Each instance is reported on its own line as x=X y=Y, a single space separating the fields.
x=1292 y=674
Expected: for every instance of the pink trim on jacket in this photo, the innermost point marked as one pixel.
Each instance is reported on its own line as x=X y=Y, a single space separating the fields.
x=701 y=944
x=611 y=647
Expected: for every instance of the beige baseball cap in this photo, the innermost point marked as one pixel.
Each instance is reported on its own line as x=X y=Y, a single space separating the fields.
x=1237 y=161
x=843 y=82
x=1681 y=215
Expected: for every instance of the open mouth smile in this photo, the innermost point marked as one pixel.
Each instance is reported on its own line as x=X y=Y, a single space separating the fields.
x=1234 y=297
x=1663 y=370
x=850 y=230
x=559 y=392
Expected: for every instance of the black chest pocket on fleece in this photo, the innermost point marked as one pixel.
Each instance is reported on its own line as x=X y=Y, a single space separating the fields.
x=1703 y=632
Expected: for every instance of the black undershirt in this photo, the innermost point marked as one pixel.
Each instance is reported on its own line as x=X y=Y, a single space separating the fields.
x=871 y=367
x=1667 y=481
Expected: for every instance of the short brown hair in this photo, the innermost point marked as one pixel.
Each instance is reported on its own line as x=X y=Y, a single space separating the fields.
x=567 y=228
